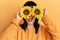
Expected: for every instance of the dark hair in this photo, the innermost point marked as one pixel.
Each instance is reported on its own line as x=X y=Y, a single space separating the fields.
x=30 y=3
x=36 y=25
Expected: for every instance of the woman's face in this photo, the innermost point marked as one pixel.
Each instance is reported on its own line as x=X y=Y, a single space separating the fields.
x=30 y=20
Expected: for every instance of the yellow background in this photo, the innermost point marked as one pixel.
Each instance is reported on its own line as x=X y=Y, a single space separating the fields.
x=8 y=9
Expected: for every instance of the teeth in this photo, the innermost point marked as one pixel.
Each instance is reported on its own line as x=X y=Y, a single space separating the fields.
x=30 y=18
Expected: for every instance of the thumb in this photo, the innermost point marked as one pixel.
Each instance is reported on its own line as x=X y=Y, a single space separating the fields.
x=18 y=17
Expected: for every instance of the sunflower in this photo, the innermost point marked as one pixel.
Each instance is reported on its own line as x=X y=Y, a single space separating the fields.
x=37 y=11
x=25 y=12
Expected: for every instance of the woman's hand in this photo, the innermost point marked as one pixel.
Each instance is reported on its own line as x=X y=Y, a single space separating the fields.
x=51 y=27
x=18 y=16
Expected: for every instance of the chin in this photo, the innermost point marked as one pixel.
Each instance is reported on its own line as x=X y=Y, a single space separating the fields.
x=29 y=22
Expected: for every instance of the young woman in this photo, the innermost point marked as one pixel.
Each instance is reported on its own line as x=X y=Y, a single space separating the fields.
x=31 y=28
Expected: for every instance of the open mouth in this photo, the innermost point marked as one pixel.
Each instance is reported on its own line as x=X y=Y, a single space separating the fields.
x=30 y=18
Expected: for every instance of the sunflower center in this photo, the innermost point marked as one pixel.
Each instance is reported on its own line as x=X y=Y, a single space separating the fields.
x=37 y=11
x=26 y=12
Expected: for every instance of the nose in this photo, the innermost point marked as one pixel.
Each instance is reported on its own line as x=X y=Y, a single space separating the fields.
x=31 y=15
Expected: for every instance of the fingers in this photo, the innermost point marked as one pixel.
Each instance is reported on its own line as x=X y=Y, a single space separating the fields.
x=40 y=22
x=47 y=21
x=17 y=13
x=18 y=17
x=45 y=11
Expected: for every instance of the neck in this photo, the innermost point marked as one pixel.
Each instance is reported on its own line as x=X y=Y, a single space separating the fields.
x=30 y=25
